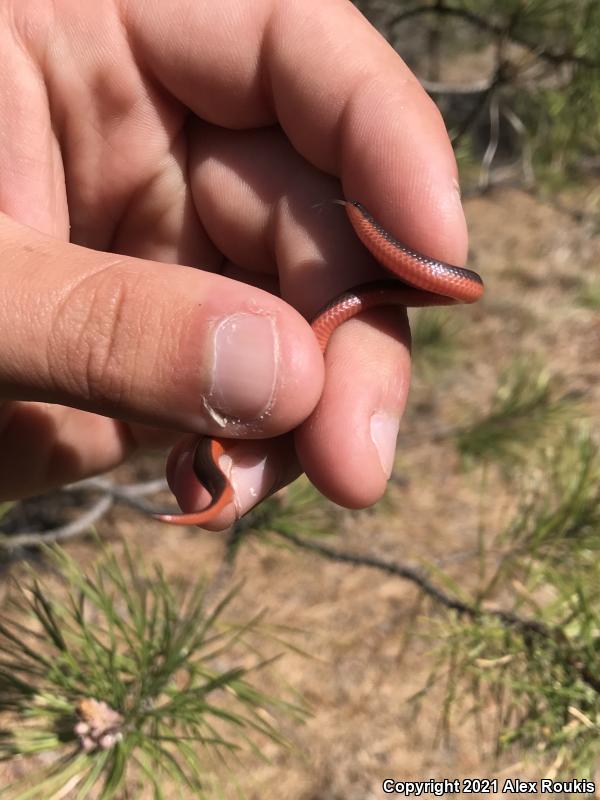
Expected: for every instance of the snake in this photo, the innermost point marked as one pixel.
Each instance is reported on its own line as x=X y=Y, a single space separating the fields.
x=419 y=280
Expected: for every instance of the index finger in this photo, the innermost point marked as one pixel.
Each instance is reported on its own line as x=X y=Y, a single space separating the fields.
x=344 y=97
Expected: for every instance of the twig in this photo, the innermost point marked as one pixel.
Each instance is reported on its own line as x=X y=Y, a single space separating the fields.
x=492 y=147
x=111 y=493
x=414 y=574
x=525 y=625
x=439 y=87
x=68 y=531
x=129 y=495
x=471 y=117
x=434 y=38
x=128 y=490
x=526 y=159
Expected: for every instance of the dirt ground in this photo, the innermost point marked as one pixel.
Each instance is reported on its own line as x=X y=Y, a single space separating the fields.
x=535 y=259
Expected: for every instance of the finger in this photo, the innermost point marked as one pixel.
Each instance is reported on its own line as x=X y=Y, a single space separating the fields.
x=267 y=211
x=162 y=345
x=32 y=180
x=344 y=98
x=257 y=198
x=347 y=446
x=255 y=469
x=365 y=119
x=44 y=446
x=95 y=154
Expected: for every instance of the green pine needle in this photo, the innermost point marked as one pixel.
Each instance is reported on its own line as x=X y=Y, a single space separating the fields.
x=589 y=295
x=434 y=338
x=525 y=411
x=545 y=689
x=151 y=672
x=301 y=510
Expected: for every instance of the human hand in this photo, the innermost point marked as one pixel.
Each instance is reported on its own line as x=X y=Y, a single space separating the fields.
x=204 y=135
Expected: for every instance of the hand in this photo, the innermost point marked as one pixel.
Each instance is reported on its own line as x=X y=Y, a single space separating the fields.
x=141 y=136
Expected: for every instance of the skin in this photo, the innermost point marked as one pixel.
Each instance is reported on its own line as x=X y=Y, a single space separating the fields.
x=161 y=169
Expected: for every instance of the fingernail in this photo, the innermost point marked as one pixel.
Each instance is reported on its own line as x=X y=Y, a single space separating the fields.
x=384 y=432
x=246 y=356
x=252 y=476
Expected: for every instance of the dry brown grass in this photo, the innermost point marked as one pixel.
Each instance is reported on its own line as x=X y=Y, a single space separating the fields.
x=534 y=259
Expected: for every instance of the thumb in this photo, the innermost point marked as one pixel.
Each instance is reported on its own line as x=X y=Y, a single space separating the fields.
x=148 y=342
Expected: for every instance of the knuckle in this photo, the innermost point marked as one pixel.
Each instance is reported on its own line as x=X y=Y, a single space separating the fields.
x=95 y=334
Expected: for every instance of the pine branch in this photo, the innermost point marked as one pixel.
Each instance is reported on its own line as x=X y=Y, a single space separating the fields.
x=419 y=577
x=81 y=525
x=527 y=626
x=130 y=495
x=126 y=672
